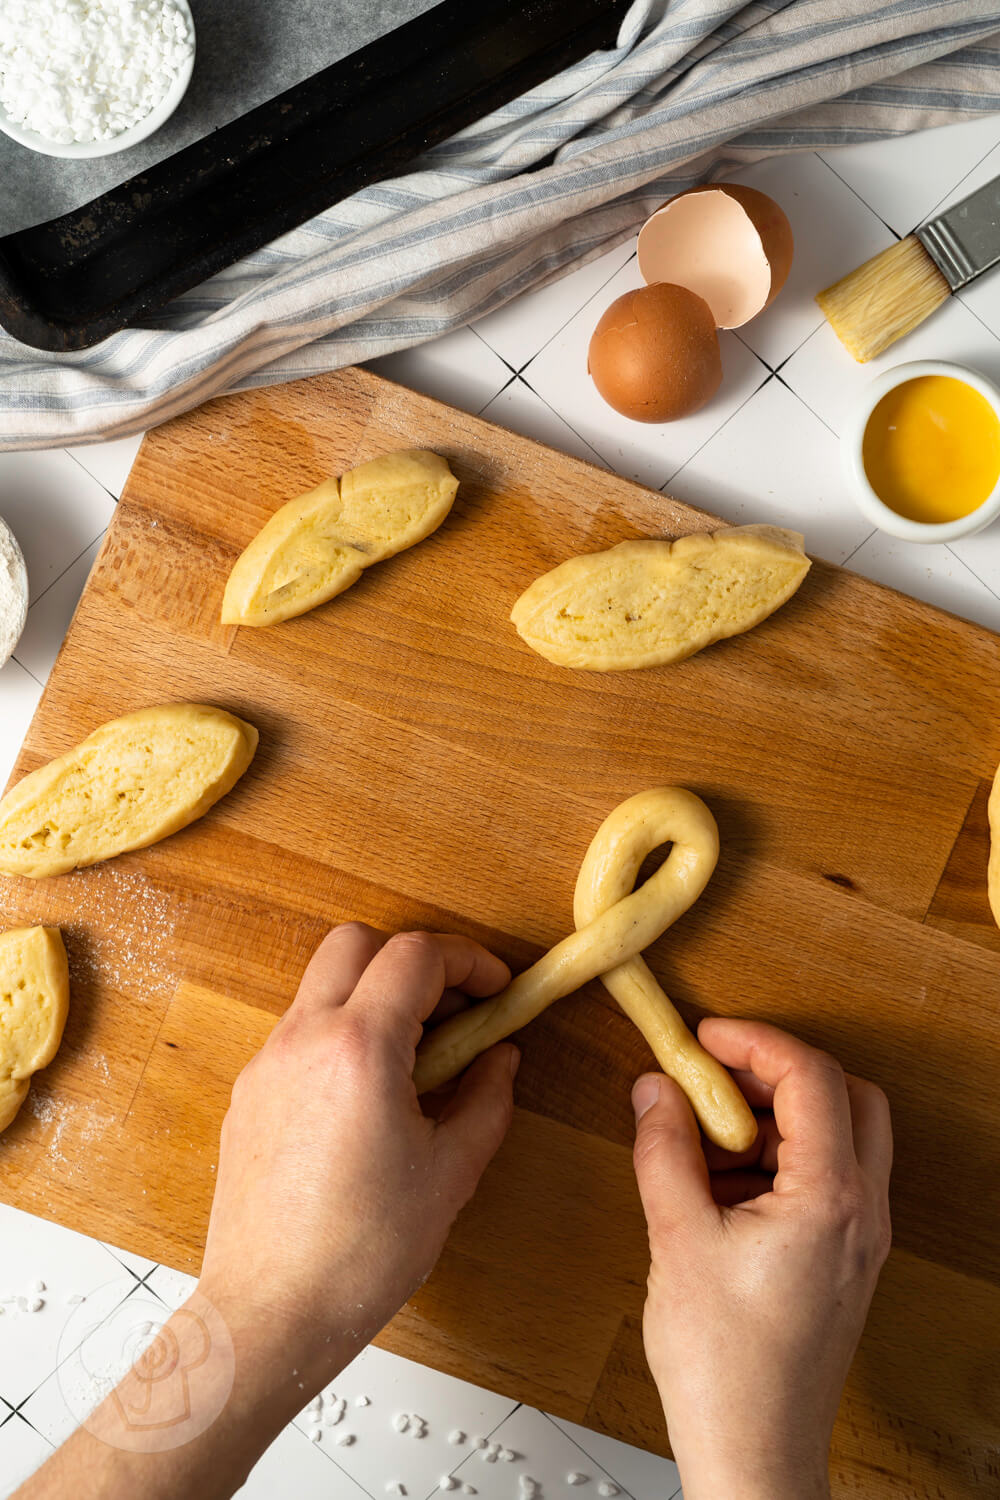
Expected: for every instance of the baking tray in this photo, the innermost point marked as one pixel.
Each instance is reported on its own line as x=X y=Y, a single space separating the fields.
x=71 y=282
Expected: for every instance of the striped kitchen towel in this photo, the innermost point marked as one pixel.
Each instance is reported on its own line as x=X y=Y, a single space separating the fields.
x=551 y=180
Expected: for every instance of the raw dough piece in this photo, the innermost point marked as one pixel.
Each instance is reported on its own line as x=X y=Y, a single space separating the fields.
x=614 y=924
x=993 y=875
x=646 y=603
x=34 y=1002
x=318 y=545
x=129 y=784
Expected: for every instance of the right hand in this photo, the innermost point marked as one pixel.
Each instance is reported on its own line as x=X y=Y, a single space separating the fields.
x=763 y=1264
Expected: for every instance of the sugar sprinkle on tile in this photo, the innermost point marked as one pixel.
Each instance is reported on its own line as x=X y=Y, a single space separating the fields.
x=607 y=1489
x=394 y=1487
x=455 y=1437
x=345 y=1439
x=362 y=1401
x=316 y=1436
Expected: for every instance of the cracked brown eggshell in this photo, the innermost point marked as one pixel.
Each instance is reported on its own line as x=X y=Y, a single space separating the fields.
x=654 y=356
x=728 y=243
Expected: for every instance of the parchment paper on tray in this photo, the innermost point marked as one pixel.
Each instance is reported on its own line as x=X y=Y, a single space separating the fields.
x=247 y=52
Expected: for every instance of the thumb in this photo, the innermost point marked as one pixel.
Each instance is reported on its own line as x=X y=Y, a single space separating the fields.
x=476 y=1118
x=669 y=1163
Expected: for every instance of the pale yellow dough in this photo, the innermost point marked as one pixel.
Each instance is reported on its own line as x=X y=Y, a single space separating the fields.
x=34 y=1003
x=129 y=784
x=993 y=875
x=647 y=603
x=318 y=545
x=614 y=924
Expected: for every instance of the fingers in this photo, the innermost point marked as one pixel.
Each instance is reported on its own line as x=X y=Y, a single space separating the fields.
x=404 y=982
x=763 y=1154
x=811 y=1105
x=872 y=1129
x=475 y=1119
x=669 y=1163
x=336 y=966
x=732 y=1188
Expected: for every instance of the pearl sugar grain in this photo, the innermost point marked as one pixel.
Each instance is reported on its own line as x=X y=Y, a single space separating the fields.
x=80 y=71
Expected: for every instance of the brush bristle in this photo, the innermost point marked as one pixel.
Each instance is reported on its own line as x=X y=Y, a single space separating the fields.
x=889 y=295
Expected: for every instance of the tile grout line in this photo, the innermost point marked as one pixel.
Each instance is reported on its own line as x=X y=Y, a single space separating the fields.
x=721 y=428
x=538 y=395
x=962 y=563
x=861 y=200
x=579 y=1446
x=576 y=313
x=71 y=453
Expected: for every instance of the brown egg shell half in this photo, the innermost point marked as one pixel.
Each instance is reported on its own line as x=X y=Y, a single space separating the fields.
x=654 y=355
x=731 y=244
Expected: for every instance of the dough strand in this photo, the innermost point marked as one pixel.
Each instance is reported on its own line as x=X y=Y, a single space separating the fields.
x=614 y=924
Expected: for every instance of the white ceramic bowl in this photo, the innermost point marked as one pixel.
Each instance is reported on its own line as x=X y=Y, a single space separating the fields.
x=10 y=635
x=880 y=514
x=81 y=150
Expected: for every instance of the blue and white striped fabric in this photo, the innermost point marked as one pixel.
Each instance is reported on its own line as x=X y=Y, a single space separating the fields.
x=692 y=87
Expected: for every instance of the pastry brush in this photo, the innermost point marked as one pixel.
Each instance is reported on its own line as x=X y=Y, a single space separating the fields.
x=894 y=292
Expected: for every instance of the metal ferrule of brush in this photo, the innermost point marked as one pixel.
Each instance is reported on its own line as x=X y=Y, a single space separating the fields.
x=964 y=241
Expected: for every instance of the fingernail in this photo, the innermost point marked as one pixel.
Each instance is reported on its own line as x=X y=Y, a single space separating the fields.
x=515 y=1061
x=645 y=1094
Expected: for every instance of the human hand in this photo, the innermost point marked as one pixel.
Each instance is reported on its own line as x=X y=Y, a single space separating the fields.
x=335 y=1192
x=763 y=1264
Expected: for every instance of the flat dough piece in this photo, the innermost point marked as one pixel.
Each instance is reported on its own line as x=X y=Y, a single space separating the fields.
x=129 y=784
x=318 y=545
x=646 y=603
x=34 y=1004
x=993 y=876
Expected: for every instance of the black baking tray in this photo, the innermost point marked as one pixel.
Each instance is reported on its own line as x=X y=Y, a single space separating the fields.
x=71 y=282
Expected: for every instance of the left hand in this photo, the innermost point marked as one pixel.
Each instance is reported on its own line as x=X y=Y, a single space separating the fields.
x=335 y=1191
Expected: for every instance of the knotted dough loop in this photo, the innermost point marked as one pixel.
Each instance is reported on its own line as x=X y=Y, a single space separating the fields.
x=614 y=924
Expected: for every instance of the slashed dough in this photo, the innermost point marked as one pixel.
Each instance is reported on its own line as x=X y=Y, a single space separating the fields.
x=129 y=784
x=34 y=1003
x=647 y=603
x=318 y=545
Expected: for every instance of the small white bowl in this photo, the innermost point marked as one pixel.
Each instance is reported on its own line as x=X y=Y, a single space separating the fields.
x=84 y=150
x=12 y=628
x=851 y=448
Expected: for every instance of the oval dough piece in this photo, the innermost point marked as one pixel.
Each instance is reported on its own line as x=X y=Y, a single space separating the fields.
x=318 y=545
x=34 y=1004
x=993 y=874
x=129 y=784
x=646 y=603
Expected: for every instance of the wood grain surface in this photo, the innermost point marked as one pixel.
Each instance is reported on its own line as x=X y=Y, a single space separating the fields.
x=419 y=766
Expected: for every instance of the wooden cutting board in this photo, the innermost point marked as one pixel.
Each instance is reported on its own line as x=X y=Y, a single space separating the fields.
x=420 y=767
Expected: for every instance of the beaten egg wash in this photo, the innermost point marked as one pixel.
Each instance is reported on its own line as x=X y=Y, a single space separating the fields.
x=932 y=449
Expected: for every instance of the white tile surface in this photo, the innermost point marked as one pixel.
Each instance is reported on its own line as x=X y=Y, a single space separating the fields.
x=518 y=330
x=934 y=574
x=833 y=230
x=644 y=1475
x=905 y=180
x=645 y=451
x=298 y=1468
x=19 y=695
x=829 y=380
x=137 y=1264
x=49 y=617
x=54 y=508
x=68 y=1263
x=458 y=369
x=523 y=410
x=775 y=461
x=393 y=1385
x=109 y=463
x=22 y=1451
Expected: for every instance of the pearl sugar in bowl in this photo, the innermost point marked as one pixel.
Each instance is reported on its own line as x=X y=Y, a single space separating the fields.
x=84 y=78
